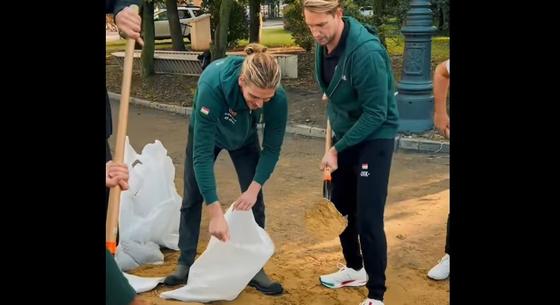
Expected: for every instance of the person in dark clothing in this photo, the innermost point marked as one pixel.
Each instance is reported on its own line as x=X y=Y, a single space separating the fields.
x=441 y=123
x=232 y=95
x=129 y=24
x=117 y=289
x=354 y=71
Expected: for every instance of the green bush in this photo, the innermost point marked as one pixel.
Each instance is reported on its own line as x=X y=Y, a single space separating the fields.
x=352 y=9
x=295 y=24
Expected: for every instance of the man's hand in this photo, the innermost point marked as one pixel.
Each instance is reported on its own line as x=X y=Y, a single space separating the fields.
x=129 y=24
x=330 y=160
x=218 y=226
x=116 y=174
x=246 y=201
x=441 y=122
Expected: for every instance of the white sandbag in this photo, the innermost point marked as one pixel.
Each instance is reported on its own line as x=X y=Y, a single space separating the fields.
x=142 y=284
x=150 y=208
x=132 y=254
x=225 y=269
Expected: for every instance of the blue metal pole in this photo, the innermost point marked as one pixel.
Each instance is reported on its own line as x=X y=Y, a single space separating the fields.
x=415 y=99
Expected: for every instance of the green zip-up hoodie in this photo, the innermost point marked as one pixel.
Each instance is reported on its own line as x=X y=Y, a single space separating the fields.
x=362 y=103
x=222 y=118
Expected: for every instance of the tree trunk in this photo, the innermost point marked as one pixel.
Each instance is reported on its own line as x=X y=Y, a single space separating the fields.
x=149 y=43
x=254 y=20
x=219 y=45
x=175 y=25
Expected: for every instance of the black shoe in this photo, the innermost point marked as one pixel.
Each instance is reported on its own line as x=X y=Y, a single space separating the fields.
x=263 y=284
x=180 y=276
x=273 y=289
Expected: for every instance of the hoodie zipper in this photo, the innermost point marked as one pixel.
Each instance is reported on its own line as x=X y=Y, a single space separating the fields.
x=338 y=83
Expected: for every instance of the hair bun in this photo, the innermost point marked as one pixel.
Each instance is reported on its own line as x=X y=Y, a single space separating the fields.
x=255 y=48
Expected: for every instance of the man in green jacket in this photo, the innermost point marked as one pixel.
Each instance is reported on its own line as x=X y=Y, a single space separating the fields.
x=354 y=71
x=232 y=95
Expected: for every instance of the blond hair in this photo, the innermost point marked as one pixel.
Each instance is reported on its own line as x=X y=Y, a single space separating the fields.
x=260 y=68
x=322 y=6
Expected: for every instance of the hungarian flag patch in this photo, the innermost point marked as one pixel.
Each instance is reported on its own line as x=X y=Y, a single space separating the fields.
x=205 y=110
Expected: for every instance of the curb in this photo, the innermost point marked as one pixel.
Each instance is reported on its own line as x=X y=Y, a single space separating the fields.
x=408 y=143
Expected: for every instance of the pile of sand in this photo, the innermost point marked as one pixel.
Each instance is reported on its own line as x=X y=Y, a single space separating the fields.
x=323 y=221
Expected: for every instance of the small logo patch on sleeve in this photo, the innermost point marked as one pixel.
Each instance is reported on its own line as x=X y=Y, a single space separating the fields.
x=205 y=110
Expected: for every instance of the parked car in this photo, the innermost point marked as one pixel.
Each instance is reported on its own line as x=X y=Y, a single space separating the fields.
x=161 y=21
x=366 y=11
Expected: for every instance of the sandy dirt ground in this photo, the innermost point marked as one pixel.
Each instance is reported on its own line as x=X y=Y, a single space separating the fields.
x=415 y=220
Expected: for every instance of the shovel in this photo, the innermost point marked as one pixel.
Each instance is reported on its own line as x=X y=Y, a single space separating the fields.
x=327 y=180
x=323 y=221
x=111 y=226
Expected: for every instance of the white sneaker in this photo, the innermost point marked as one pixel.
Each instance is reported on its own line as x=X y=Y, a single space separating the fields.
x=344 y=277
x=441 y=270
x=371 y=302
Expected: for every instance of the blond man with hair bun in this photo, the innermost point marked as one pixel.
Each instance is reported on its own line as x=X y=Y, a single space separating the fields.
x=233 y=94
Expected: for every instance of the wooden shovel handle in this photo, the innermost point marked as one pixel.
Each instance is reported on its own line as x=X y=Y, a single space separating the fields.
x=111 y=226
x=328 y=142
